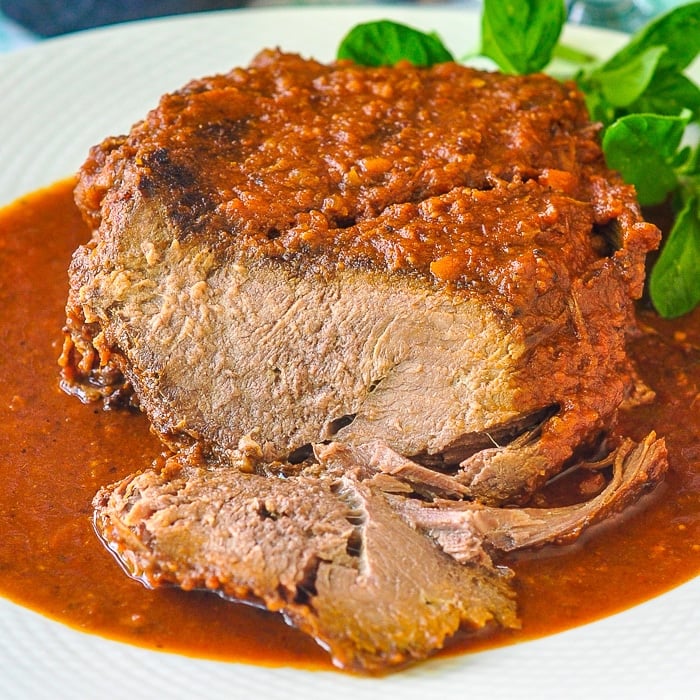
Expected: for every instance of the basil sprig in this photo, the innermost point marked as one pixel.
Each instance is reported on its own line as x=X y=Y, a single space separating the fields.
x=646 y=75
x=385 y=43
x=520 y=36
x=651 y=112
x=644 y=148
x=675 y=280
x=649 y=108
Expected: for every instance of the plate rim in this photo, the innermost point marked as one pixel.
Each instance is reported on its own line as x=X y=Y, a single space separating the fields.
x=438 y=675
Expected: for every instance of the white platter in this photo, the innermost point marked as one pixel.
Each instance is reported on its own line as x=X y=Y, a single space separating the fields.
x=60 y=97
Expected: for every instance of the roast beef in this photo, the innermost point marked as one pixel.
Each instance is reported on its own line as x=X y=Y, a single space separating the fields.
x=435 y=261
x=330 y=555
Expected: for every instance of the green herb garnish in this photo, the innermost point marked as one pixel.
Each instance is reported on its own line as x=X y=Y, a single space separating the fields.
x=385 y=43
x=646 y=75
x=675 y=279
x=520 y=36
x=649 y=108
x=644 y=149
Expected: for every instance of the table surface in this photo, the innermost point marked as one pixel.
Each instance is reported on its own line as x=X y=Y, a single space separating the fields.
x=13 y=36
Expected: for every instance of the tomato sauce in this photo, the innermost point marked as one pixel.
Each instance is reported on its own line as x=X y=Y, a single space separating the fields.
x=57 y=452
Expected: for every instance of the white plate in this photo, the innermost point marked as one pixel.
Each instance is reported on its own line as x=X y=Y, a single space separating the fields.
x=60 y=97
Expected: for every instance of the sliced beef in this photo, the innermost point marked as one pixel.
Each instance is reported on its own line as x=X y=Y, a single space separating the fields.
x=373 y=458
x=330 y=555
x=338 y=550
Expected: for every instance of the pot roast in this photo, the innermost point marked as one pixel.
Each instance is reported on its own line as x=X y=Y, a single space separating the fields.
x=371 y=311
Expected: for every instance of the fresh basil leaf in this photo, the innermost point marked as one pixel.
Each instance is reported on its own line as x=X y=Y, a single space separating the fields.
x=678 y=30
x=599 y=109
x=691 y=165
x=520 y=35
x=674 y=284
x=645 y=75
x=622 y=85
x=642 y=148
x=669 y=93
x=385 y=43
x=683 y=160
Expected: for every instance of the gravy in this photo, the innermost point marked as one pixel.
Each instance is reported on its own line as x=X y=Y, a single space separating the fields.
x=58 y=452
